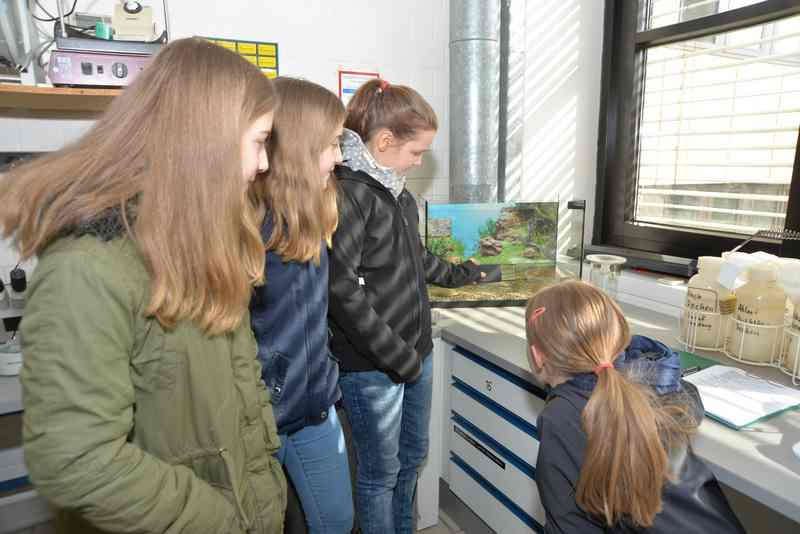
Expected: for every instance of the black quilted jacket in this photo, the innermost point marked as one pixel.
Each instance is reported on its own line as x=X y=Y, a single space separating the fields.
x=378 y=311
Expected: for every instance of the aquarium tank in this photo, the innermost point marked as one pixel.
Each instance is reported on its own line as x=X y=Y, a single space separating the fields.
x=516 y=244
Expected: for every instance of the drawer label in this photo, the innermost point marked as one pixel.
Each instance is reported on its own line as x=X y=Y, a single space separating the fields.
x=472 y=441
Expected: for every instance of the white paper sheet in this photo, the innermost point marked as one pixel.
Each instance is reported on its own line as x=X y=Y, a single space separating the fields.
x=739 y=398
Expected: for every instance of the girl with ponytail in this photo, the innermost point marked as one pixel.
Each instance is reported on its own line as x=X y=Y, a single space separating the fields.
x=614 y=452
x=379 y=314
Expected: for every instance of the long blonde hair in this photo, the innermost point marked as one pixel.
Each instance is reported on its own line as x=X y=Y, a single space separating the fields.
x=378 y=104
x=171 y=141
x=629 y=432
x=303 y=213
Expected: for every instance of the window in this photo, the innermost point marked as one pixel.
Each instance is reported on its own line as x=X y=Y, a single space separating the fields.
x=699 y=125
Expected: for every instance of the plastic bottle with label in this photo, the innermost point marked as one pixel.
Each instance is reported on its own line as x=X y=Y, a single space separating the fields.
x=757 y=333
x=708 y=307
x=790 y=280
x=793 y=354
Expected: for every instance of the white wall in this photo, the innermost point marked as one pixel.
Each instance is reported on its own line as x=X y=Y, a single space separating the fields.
x=407 y=42
x=559 y=47
x=557 y=43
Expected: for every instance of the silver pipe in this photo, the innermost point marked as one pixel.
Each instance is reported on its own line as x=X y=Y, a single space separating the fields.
x=166 y=19
x=61 y=18
x=474 y=99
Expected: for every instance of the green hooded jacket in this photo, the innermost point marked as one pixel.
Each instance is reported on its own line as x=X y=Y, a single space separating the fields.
x=129 y=427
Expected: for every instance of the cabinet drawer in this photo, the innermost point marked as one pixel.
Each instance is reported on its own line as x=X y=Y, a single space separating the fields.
x=498 y=466
x=488 y=502
x=515 y=435
x=12 y=468
x=513 y=393
x=23 y=511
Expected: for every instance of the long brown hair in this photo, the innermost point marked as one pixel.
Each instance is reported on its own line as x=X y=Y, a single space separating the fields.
x=172 y=141
x=629 y=432
x=303 y=213
x=378 y=104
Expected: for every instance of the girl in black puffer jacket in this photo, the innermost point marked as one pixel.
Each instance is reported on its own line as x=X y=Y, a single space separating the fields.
x=379 y=314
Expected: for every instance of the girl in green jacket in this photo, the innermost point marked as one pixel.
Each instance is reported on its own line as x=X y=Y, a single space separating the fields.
x=144 y=405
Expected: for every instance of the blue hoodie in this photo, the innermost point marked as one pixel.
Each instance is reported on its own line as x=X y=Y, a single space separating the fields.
x=652 y=362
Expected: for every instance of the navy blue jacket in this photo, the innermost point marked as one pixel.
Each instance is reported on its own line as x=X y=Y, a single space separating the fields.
x=692 y=504
x=289 y=319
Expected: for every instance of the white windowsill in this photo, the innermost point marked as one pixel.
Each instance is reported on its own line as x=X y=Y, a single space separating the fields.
x=664 y=294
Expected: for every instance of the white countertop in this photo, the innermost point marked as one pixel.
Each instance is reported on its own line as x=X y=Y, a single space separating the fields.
x=757 y=461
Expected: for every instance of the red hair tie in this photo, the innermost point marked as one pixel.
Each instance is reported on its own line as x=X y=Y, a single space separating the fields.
x=535 y=314
x=601 y=366
x=384 y=85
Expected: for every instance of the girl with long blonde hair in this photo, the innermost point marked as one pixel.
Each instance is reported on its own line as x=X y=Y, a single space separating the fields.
x=614 y=452
x=289 y=313
x=144 y=404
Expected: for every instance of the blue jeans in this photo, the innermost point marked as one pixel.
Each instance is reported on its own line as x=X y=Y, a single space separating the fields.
x=390 y=433
x=316 y=460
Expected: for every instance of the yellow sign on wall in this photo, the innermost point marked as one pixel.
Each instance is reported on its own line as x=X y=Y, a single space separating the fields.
x=262 y=55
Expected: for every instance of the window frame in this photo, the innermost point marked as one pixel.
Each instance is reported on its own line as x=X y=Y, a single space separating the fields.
x=620 y=103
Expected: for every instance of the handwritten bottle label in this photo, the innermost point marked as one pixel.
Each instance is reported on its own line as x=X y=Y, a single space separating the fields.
x=746 y=314
x=701 y=320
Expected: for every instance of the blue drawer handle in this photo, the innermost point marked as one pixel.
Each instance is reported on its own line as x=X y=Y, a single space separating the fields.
x=494 y=407
x=496 y=446
x=496 y=369
x=497 y=494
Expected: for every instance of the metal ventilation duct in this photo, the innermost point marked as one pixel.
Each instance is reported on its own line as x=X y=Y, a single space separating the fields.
x=474 y=99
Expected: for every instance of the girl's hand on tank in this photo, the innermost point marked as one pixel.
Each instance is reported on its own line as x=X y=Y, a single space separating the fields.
x=476 y=262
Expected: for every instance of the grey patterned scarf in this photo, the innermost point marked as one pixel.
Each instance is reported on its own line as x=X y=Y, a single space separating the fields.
x=356 y=156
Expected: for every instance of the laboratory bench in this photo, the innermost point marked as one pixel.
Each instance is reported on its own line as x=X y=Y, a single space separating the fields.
x=484 y=441
x=483 y=432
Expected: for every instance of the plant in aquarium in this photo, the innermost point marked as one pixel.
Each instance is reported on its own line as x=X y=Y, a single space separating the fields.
x=447 y=248
x=488 y=229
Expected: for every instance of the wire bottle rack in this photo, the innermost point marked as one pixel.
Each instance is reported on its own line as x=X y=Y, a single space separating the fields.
x=767 y=345
x=712 y=325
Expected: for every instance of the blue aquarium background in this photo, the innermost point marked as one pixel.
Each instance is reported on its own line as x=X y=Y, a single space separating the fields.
x=498 y=234
x=515 y=244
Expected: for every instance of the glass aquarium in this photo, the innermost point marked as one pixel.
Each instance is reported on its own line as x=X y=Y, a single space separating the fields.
x=570 y=255
x=521 y=246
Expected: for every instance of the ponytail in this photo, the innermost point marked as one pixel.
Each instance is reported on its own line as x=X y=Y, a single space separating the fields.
x=626 y=464
x=378 y=104
x=629 y=429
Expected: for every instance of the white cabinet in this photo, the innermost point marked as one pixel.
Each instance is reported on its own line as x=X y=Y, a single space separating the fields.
x=428 y=482
x=19 y=508
x=493 y=443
